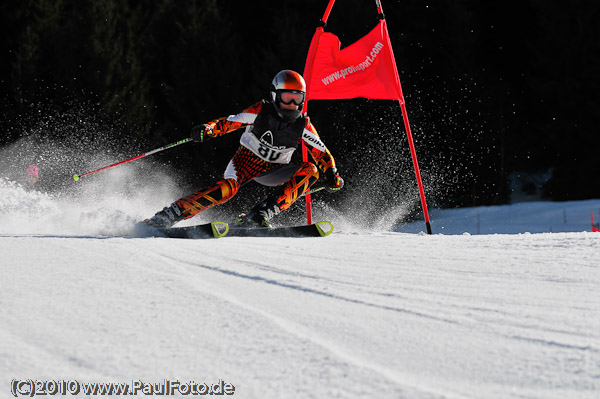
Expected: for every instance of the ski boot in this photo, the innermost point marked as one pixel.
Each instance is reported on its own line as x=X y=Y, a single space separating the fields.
x=166 y=218
x=260 y=215
x=252 y=220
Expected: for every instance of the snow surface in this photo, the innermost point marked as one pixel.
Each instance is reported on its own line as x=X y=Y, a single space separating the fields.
x=358 y=314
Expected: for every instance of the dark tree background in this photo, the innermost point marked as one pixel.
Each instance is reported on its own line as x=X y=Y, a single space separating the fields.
x=493 y=89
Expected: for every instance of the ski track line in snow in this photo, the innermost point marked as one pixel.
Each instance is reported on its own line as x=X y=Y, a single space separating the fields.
x=274 y=282
x=533 y=324
x=531 y=261
x=304 y=333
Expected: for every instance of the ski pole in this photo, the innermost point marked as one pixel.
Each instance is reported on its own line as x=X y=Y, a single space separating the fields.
x=314 y=190
x=76 y=177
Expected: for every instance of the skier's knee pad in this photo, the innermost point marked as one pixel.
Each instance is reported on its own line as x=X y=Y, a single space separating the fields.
x=306 y=176
x=300 y=183
x=309 y=169
x=229 y=188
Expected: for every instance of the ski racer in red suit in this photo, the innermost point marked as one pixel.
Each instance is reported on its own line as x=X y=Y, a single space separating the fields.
x=274 y=129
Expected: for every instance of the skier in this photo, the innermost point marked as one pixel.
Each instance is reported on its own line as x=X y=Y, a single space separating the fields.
x=274 y=129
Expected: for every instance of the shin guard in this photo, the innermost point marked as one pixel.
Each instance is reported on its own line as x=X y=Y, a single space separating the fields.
x=195 y=203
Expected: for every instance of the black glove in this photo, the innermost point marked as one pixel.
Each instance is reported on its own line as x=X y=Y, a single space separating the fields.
x=333 y=180
x=201 y=133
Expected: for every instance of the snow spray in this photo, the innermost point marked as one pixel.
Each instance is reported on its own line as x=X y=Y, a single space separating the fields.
x=107 y=204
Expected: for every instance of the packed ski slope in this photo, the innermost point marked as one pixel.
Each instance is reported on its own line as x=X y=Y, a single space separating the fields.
x=358 y=314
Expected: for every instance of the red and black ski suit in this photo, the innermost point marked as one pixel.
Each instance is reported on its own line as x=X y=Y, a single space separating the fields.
x=265 y=153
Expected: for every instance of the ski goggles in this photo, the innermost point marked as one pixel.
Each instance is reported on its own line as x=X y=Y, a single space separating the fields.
x=288 y=97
